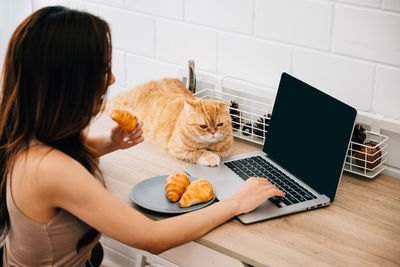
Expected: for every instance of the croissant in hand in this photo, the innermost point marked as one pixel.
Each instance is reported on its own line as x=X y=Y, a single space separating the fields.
x=124 y=118
x=197 y=192
x=175 y=186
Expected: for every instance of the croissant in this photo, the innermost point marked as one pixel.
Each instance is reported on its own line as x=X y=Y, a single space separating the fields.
x=175 y=186
x=197 y=192
x=124 y=118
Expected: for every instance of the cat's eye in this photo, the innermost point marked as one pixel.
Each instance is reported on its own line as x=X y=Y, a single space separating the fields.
x=203 y=126
x=220 y=124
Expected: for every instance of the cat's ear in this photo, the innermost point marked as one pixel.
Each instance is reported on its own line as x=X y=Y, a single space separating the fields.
x=188 y=106
x=223 y=105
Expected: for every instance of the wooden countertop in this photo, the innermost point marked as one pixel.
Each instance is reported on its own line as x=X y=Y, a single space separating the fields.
x=361 y=228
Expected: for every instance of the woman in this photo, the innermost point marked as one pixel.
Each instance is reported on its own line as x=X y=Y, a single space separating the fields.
x=53 y=202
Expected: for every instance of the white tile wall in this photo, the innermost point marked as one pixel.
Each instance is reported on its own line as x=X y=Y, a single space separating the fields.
x=368 y=34
x=253 y=60
x=113 y=90
x=130 y=32
x=89 y=7
x=165 y=8
x=387 y=91
x=346 y=79
x=142 y=69
x=391 y=5
x=369 y=3
x=119 y=67
x=254 y=40
x=117 y=3
x=16 y=12
x=393 y=149
x=224 y=14
x=304 y=22
x=37 y=4
x=178 y=42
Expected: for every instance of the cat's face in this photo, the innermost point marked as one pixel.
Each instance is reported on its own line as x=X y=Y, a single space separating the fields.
x=207 y=121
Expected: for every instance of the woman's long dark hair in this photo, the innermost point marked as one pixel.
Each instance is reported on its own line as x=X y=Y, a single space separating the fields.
x=56 y=71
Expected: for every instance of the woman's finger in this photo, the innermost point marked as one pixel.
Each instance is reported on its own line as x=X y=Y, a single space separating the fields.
x=136 y=134
x=262 y=180
x=137 y=129
x=269 y=187
x=275 y=192
x=139 y=140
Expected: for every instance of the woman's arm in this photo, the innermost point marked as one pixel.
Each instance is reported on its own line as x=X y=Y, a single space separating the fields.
x=69 y=186
x=117 y=139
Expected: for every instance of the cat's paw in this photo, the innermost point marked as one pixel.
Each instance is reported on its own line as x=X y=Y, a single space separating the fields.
x=209 y=159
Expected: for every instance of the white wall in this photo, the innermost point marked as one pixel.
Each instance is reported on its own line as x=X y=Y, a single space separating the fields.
x=348 y=48
x=11 y=15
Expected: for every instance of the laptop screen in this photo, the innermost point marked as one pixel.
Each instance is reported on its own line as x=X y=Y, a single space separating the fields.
x=309 y=134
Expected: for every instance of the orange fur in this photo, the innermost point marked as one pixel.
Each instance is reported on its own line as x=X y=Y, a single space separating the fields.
x=172 y=117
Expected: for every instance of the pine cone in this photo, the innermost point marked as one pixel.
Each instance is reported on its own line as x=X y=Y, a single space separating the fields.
x=359 y=136
x=370 y=156
x=261 y=125
x=235 y=115
x=247 y=129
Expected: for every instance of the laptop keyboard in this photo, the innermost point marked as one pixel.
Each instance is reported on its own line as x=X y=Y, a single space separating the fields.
x=258 y=166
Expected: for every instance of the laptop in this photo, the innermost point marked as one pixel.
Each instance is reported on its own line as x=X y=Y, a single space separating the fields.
x=303 y=154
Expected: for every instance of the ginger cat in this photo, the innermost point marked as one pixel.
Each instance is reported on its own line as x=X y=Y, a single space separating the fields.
x=195 y=130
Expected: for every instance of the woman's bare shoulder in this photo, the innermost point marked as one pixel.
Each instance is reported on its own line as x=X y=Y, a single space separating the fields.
x=47 y=168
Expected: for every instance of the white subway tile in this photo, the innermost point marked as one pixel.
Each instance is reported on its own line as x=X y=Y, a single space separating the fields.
x=38 y=4
x=116 y=3
x=178 y=42
x=301 y=22
x=15 y=13
x=348 y=80
x=369 y=3
x=233 y=15
x=253 y=60
x=391 y=5
x=387 y=92
x=166 y=8
x=393 y=148
x=114 y=90
x=12 y=13
x=81 y=5
x=367 y=34
x=119 y=67
x=130 y=32
x=141 y=69
x=243 y=86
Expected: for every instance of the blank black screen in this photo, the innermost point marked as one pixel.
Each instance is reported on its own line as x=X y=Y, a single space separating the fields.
x=309 y=134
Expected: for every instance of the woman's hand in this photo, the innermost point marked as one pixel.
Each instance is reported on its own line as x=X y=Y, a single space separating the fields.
x=118 y=138
x=121 y=139
x=253 y=193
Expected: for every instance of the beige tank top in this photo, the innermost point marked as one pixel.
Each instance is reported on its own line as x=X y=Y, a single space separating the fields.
x=30 y=243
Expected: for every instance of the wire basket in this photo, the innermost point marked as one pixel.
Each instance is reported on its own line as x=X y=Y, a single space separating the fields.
x=248 y=119
x=367 y=159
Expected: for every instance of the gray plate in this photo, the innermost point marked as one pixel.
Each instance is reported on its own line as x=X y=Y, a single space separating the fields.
x=150 y=194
